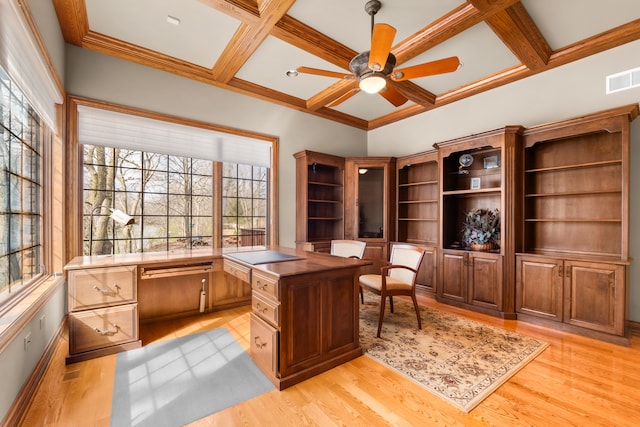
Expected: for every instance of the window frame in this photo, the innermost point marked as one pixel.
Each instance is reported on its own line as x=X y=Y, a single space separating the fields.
x=75 y=154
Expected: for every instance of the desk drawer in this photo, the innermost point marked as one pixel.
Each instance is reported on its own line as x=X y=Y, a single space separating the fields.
x=264 y=345
x=265 y=285
x=103 y=327
x=100 y=287
x=266 y=308
x=237 y=270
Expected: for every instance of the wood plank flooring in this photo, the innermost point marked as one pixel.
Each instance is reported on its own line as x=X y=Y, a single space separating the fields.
x=576 y=381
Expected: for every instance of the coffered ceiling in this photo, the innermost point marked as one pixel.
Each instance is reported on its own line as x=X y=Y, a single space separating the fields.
x=247 y=46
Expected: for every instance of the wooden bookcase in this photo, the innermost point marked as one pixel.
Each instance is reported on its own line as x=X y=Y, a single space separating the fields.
x=417 y=210
x=319 y=200
x=481 y=281
x=574 y=265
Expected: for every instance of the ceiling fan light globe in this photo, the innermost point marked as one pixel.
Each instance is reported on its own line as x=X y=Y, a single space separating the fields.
x=372 y=83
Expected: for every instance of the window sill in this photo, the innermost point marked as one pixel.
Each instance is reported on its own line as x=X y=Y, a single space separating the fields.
x=13 y=320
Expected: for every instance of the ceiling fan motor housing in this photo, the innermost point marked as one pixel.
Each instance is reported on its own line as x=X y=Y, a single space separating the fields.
x=359 y=65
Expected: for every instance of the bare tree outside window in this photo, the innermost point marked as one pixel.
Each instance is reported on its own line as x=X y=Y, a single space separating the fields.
x=170 y=198
x=20 y=190
x=157 y=190
x=244 y=205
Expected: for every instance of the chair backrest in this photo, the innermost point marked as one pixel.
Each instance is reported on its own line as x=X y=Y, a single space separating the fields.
x=347 y=248
x=409 y=256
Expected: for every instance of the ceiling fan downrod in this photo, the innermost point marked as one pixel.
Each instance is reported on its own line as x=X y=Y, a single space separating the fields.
x=372 y=7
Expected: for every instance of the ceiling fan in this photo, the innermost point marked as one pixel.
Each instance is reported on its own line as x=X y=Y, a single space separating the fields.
x=374 y=68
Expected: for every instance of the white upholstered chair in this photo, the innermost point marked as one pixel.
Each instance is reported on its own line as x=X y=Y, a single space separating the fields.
x=397 y=278
x=349 y=249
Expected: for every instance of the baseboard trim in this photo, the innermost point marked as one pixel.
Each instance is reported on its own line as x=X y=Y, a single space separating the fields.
x=634 y=327
x=20 y=406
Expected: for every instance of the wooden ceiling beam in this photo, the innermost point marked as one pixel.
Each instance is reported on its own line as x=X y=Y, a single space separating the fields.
x=302 y=36
x=248 y=38
x=246 y=11
x=521 y=35
x=332 y=93
x=451 y=24
x=73 y=20
x=414 y=93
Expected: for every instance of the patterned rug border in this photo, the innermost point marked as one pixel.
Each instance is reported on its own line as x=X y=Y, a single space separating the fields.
x=495 y=381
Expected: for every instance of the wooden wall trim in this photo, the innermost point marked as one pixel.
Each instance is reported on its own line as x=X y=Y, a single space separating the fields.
x=634 y=327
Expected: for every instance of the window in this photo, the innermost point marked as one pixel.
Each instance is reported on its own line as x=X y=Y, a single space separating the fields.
x=244 y=205
x=169 y=198
x=184 y=183
x=20 y=190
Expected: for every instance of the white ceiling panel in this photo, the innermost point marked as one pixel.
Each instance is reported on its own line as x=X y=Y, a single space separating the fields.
x=200 y=38
x=563 y=22
x=270 y=62
x=480 y=51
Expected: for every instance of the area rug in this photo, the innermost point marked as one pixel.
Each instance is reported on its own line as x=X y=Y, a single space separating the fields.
x=175 y=382
x=459 y=360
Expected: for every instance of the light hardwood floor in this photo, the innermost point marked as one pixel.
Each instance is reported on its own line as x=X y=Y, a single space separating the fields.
x=576 y=381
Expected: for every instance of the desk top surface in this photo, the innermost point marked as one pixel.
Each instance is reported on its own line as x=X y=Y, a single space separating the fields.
x=277 y=260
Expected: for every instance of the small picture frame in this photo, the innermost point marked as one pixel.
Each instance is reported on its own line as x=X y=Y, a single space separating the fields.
x=491 y=162
x=475 y=183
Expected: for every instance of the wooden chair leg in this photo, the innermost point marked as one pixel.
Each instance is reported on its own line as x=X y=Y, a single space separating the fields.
x=415 y=305
x=391 y=304
x=361 y=295
x=382 y=304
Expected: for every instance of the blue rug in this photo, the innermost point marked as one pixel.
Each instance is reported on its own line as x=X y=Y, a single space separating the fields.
x=176 y=382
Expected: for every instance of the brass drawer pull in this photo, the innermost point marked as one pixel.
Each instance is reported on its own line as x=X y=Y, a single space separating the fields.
x=261 y=286
x=107 y=291
x=263 y=310
x=258 y=344
x=107 y=332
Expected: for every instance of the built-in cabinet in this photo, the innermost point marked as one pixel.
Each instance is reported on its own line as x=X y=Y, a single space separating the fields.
x=344 y=198
x=417 y=210
x=472 y=278
x=562 y=193
x=478 y=172
x=574 y=264
x=319 y=200
x=103 y=311
x=369 y=198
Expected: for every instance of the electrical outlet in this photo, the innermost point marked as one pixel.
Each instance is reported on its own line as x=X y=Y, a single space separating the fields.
x=42 y=322
x=27 y=340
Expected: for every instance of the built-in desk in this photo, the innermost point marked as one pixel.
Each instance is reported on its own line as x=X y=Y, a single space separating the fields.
x=304 y=317
x=110 y=295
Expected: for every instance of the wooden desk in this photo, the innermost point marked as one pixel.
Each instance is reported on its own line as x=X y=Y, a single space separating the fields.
x=305 y=311
x=305 y=317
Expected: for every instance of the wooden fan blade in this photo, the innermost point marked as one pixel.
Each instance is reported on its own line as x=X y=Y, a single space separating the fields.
x=318 y=72
x=440 y=66
x=393 y=96
x=343 y=98
x=381 y=41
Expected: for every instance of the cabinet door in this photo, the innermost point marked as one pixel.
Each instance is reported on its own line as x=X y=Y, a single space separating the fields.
x=426 y=278
x=454 y=276
x=485 y=280
x=596 y=295
x=539 y=287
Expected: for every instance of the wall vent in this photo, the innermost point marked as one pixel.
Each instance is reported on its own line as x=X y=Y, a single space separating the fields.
x=623 y=81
